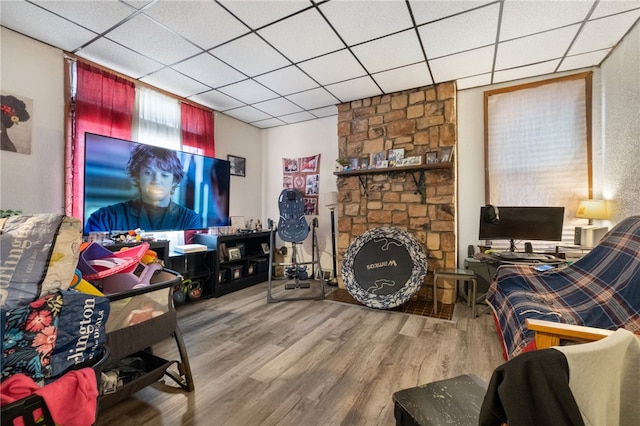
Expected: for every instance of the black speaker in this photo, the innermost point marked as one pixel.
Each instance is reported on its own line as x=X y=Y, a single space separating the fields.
x=577 y=236
x=528 y=248
x=470 y=251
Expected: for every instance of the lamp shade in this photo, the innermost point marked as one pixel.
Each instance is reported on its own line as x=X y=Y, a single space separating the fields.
x=331 y=199
x=594 y=209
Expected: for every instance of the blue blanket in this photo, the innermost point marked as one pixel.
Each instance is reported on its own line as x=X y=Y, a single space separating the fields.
x=601 y=290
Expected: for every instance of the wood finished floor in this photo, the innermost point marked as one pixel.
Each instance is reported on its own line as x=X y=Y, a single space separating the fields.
x=305 y=362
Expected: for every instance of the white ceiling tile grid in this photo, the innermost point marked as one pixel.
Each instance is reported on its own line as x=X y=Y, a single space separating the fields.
x=271 y=63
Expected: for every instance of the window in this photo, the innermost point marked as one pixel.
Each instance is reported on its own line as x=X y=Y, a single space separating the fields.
x=537 y=145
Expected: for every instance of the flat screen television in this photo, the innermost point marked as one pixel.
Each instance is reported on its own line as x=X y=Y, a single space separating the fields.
x=117 y=172
x=522 y=223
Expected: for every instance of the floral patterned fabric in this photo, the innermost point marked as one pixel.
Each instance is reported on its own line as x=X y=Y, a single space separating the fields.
x=29 y=336
x=48 y=337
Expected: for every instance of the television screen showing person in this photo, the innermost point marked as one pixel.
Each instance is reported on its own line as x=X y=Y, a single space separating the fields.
x=155 y=173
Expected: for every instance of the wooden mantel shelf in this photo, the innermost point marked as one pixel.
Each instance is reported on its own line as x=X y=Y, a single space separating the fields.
x=362 y=175
x=420 y=167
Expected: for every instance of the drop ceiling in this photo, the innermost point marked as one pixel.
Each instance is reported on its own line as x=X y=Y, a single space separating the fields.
x=272 y=63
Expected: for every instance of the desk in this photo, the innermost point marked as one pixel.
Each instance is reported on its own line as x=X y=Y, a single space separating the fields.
x=484 y=266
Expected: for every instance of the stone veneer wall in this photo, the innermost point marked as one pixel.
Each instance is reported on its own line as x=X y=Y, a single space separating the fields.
x=418 y=120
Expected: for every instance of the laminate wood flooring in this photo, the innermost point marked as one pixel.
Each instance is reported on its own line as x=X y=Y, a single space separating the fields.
x=305 y=362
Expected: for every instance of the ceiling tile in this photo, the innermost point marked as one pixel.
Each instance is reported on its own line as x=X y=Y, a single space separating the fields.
x=254 y=51
x=527 y=71
x=248 y=91
x=314 y=98
x=37 y=23
x=390 y=52
x=451 y=35
x=313 y=36
x=97 y=16
x=604 y=8
x=174 y=82
x=144 y=35
x=521 y=18
x=466 y=64
x=138 y=4
x=270 y=122
x=296 y=118
x=359 y=88
x=259 y=13
x=216 y=100
x=247 y=114
x=279 y=106
x=583 y=60
x=358 y=21
x=325 y=112
x=333 y=67
x=204 y=23
x=603 y=33
x=535 y=48
x=209 y=70
x=475 y=81
x=118 y=58
x=398 y=79
x=256 y=57
x=287 y=80
x=429 y=11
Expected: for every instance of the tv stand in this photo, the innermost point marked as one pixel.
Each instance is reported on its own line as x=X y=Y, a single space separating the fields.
x=512 y=245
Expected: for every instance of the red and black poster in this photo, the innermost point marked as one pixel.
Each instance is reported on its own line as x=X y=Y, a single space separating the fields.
x=303 y=174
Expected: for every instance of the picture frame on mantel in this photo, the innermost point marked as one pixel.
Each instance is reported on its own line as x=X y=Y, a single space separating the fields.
x=238 y=165
x=446 y=155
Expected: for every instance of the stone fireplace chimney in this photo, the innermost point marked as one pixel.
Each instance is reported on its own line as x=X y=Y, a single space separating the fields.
x=421 y=202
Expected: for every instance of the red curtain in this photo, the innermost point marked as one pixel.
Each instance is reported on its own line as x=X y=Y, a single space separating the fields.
x=197 y=130
x=104 y=105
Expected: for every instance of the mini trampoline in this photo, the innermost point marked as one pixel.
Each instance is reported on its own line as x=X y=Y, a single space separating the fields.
x=384 y=267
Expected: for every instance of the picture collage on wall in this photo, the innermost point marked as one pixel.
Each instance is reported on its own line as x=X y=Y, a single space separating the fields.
x=303 y=174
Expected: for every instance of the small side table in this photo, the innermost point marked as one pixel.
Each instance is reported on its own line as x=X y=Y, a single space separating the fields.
x=463 y=275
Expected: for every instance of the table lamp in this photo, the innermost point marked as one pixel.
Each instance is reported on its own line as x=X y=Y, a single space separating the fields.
x=588 y=236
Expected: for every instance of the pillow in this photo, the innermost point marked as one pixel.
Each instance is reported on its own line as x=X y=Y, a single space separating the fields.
x=38 y=256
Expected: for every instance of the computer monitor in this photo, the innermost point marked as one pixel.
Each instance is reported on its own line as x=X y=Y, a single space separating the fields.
x=522 y=223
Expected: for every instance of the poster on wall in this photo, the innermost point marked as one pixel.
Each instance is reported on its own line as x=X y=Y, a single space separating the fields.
x=303 y=174
x=15 y=117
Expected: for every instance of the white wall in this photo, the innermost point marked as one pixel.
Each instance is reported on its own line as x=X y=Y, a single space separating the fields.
x=239 y=139
x=302 y=140
x=34 y=183
x=621 y=126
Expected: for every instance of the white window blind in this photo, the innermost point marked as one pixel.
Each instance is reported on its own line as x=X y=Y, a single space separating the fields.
x=156 y=120
x=537 y=148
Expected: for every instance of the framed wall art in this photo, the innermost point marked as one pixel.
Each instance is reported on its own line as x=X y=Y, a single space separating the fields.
x=238 y=165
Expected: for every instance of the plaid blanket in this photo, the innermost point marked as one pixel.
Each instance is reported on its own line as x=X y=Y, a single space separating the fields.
x=601 y=290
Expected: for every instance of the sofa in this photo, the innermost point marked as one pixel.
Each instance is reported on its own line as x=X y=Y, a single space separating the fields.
x=600 y=290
